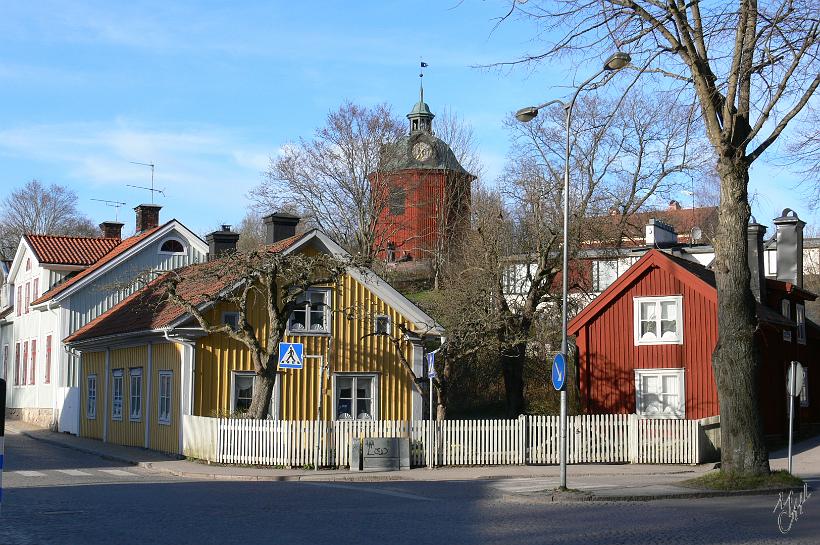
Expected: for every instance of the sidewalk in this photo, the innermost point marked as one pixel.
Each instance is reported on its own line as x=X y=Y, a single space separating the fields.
x=604 y=482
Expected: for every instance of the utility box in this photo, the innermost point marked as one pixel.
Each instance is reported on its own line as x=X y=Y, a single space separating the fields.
x=380 y=454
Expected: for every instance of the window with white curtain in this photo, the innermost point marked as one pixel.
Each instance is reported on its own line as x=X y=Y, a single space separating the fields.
x=660 y=393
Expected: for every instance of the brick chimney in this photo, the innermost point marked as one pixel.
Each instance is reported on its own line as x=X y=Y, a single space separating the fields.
x=111 y=229
x=221 y=242
x=280 y=226
x=790 y=247
x=147 y=216
x=660 y=234
x=754 y=237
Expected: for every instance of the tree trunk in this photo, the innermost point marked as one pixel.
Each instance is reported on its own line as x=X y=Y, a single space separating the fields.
x=444 y=389
x=736 y=359
x=512 y=365
x=262 y=391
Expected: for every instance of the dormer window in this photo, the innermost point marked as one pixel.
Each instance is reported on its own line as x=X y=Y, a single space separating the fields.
x=172 y=246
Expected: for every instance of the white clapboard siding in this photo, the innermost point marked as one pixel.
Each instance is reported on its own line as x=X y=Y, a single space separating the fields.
x=611 y=438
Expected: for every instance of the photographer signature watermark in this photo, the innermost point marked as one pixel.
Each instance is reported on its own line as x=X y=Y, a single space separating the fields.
x=790 y=508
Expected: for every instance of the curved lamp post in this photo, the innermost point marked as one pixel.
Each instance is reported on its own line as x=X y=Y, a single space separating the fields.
x=615 y=62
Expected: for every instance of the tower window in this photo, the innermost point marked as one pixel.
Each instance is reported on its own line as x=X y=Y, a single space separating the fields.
x=397 y=201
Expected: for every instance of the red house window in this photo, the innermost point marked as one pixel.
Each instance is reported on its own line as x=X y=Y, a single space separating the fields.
x=48 y=360
x=33 y=376
x=19 y=300
x=25 y=362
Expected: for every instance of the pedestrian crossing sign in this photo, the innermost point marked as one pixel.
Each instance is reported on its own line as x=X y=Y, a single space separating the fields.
x=291 y=355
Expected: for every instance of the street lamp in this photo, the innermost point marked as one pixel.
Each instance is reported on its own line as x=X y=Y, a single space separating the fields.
x=615 y=62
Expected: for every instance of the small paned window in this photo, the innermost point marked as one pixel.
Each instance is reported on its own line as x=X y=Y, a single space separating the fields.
x=355 y=397
x=25 y=361
x=91 y=398
x=658 y=320
x=135 y=412
x=6 y=362
x=659 y=393
x=804 y=391
x=17 y=364
x=172 y=246
x=231 y=319
x=19 y=302
x=786 y=311
x=28 y=296
x=35 y=289
x=116 y=395
x=312 y=314
x=242 y=391
x=800 y=318
x=382 y=324
x=166 y=380
x=28 y=264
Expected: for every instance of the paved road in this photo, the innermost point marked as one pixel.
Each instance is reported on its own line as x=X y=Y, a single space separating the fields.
x=56 y=495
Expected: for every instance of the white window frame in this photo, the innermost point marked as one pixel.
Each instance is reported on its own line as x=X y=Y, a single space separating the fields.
x=388 y=329
x=308 y=326
x=165 y=252
x=235 y=374
x=800 y=318
x=165 y=397
x=135 y=377
x=91 y=397
x=374 y=393
x=680 y=413
x=637 y=301
x=116 y=408
x=786 y=310
x=225 y=316
x=804 y=391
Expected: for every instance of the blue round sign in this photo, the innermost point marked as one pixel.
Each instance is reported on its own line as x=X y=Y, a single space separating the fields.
x=559 y=372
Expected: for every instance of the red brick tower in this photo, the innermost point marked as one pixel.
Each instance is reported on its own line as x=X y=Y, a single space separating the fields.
x=422 y=193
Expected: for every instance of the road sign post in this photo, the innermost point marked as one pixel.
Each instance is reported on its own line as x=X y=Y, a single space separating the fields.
x=793 y=385
x=431 y=374
x=559 y=382
x=2 y=434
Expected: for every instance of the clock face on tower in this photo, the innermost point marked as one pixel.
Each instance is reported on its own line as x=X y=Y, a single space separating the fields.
x=422 y=151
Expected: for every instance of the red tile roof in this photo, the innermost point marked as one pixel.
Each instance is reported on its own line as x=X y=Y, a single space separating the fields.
x=147 y=309
x=115 y=252
x=600 y=228
x=61 y=250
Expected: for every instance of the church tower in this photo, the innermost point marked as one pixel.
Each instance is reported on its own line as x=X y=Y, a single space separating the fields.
x=423 y=193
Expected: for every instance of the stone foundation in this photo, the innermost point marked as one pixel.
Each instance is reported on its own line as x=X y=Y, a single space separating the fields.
x=39 y=417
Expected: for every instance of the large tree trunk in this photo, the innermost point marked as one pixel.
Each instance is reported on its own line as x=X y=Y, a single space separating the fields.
x=512 y=365
x=736 y=360
x=263 y=384
x=443 y=398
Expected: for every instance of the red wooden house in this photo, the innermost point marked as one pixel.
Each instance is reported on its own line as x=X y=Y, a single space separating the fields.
x=645 y=344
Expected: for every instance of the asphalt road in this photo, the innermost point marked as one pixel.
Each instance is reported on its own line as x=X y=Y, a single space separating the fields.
x=60 y=496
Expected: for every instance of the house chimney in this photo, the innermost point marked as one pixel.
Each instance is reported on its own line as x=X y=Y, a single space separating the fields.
x=790 y=247
x=111 y=229
x=754 y=237
x=660 y=234
x=147 y=216
x=221 y=242
x=280 y=226
x=674 y=205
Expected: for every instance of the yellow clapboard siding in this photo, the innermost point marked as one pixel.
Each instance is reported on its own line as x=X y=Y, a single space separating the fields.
x=165 y=357
x=126 y=431
x=348 y=351
x=93 y=363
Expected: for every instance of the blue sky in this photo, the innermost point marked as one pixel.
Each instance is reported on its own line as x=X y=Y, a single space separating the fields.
x=209 y=91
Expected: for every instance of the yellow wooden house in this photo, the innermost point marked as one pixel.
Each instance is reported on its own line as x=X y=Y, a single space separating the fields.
x=144 y=365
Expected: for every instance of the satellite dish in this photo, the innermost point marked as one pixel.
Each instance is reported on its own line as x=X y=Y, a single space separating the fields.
x=697 y=233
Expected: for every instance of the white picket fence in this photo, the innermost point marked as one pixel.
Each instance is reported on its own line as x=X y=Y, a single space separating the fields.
x=526 y=440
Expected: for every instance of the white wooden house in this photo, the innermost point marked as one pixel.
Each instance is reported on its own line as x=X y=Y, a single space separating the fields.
x=57 y=284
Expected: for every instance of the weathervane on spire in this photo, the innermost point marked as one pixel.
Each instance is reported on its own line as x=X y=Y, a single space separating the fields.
x=421 y=75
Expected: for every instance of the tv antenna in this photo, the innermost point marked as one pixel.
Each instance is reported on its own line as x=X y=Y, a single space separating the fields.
x=151 y=189
x=115 y=204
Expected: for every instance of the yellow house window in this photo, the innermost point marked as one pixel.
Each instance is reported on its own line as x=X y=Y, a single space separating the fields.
x=166 y=379
x=312 y=314
x=355 y=397
x=136 y=394
x=91 y=407
x=116 y=395
x=242 y=391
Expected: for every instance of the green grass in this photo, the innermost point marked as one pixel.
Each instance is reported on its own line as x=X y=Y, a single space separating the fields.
x=718 y=480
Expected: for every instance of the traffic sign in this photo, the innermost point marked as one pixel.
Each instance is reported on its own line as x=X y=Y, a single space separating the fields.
x=291 y=355
x=431 y=368
x=794 y=380
x=559 y=372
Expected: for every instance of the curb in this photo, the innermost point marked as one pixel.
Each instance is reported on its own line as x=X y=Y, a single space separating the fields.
x=585 y=496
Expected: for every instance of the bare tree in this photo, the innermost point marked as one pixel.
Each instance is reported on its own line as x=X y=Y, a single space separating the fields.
x=328 y=176
x=751 y=68
x=248 y=281
x=43 y=210
x=251 y=231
